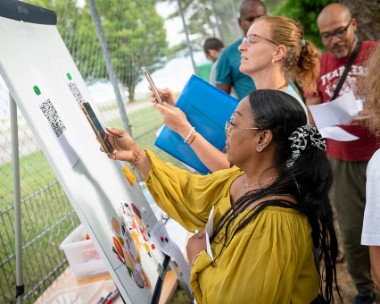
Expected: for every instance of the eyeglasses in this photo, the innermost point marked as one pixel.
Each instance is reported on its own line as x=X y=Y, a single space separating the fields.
x=229 y=126
x=251 y=39
x=338 y=33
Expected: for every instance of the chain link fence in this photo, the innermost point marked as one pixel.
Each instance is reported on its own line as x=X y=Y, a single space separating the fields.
x=135 y=36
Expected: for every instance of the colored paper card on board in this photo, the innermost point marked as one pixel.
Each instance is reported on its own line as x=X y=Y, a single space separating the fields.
x=207 y=108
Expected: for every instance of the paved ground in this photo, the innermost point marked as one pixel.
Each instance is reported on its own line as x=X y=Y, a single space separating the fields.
x=346 y=286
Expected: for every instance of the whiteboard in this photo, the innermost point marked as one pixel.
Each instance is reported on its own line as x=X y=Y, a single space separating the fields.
x=47 y=87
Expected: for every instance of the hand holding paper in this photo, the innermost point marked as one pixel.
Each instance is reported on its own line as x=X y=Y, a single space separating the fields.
x=328 y=116
x=337 y=112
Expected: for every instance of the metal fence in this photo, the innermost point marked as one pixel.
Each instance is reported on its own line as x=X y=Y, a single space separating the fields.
x=46 y=214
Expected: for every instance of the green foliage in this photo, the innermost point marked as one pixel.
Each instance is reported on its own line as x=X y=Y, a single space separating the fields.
x=306 y=12
x=136 y=37
x=68 y=18
x=207 y=18
x=198 y=13
x=202 y=24
x=32 y=165
x=134 y=32
x=175 y=50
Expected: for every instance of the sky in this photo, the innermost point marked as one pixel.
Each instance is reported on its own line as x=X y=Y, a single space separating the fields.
x=177 y=71
x=172 y=26
x=174 y=75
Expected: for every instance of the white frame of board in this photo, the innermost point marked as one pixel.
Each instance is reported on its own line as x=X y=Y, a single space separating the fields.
x=95 y=185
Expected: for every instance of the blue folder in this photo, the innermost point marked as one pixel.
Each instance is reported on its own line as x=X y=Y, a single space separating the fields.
x=207 y=108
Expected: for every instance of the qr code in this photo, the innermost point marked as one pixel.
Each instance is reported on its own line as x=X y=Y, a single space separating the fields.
x=76 y=93
x=53 y=118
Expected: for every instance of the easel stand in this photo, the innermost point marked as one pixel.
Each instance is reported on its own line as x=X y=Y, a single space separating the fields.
x=160 y=280
x=17 y=200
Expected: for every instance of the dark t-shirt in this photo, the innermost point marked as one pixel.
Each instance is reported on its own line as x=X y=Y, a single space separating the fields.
x=331 y=70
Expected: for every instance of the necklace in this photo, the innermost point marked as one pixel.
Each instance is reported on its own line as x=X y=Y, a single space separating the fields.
x=283 y=86
x=245 y=186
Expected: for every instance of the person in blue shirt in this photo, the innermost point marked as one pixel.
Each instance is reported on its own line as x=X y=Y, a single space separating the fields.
x=228 y=75
x=213 y=47
x=273 y=54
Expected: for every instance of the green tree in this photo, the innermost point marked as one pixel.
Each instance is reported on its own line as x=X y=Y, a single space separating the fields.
x=198 y=20
x=367 y=13
x=134 y=32
x=306 y=12
x=219 y=18
x=207 y=18
x=68 y=18
x=136 y=37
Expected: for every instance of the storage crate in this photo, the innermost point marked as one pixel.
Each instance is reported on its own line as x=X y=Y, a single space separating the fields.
x=82 y=255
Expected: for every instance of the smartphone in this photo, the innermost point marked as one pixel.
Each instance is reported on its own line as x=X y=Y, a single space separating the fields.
x=97 y=127
x=151 y=83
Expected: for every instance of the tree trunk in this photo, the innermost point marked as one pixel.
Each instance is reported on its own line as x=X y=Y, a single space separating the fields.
x=367 y=13
x=131 y=93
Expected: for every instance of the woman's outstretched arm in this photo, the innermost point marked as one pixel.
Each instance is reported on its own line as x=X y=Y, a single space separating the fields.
x=126 y=149
x=176 y=120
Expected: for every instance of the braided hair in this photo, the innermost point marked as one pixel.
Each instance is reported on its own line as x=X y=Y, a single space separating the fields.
x=308 y=179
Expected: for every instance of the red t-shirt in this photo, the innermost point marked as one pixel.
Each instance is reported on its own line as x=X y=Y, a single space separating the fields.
x=331 y=70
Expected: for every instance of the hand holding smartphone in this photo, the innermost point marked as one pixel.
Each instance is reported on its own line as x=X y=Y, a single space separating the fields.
x=152 y=85
x=97 y=128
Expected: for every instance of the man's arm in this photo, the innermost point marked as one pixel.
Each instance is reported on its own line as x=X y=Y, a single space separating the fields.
x=226 y=87
x=374 y=254
x=310 y=101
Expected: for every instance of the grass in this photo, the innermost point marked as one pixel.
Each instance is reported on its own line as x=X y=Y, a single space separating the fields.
x=47 y=215
x=108 y=107
x=114 y=106
x=144 y=124
x=47 y=218
x=35 y=172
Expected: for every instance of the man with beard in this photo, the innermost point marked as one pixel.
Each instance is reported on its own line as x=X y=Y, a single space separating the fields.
x=348 y=159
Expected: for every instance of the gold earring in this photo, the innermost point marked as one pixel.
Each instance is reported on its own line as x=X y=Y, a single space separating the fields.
x=273 y=62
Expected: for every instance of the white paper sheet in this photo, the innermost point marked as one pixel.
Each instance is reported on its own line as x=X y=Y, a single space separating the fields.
x=337 y=133
x=170 y=248
x=339 y=111
x=209 y=231
x=56 y=118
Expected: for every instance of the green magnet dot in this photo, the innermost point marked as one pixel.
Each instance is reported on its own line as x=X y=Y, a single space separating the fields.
x=69 y=76
x=37 y=90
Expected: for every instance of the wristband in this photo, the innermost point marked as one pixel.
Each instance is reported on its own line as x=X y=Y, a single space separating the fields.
x=192 y=139
x=188 y=136
x=134 y=163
